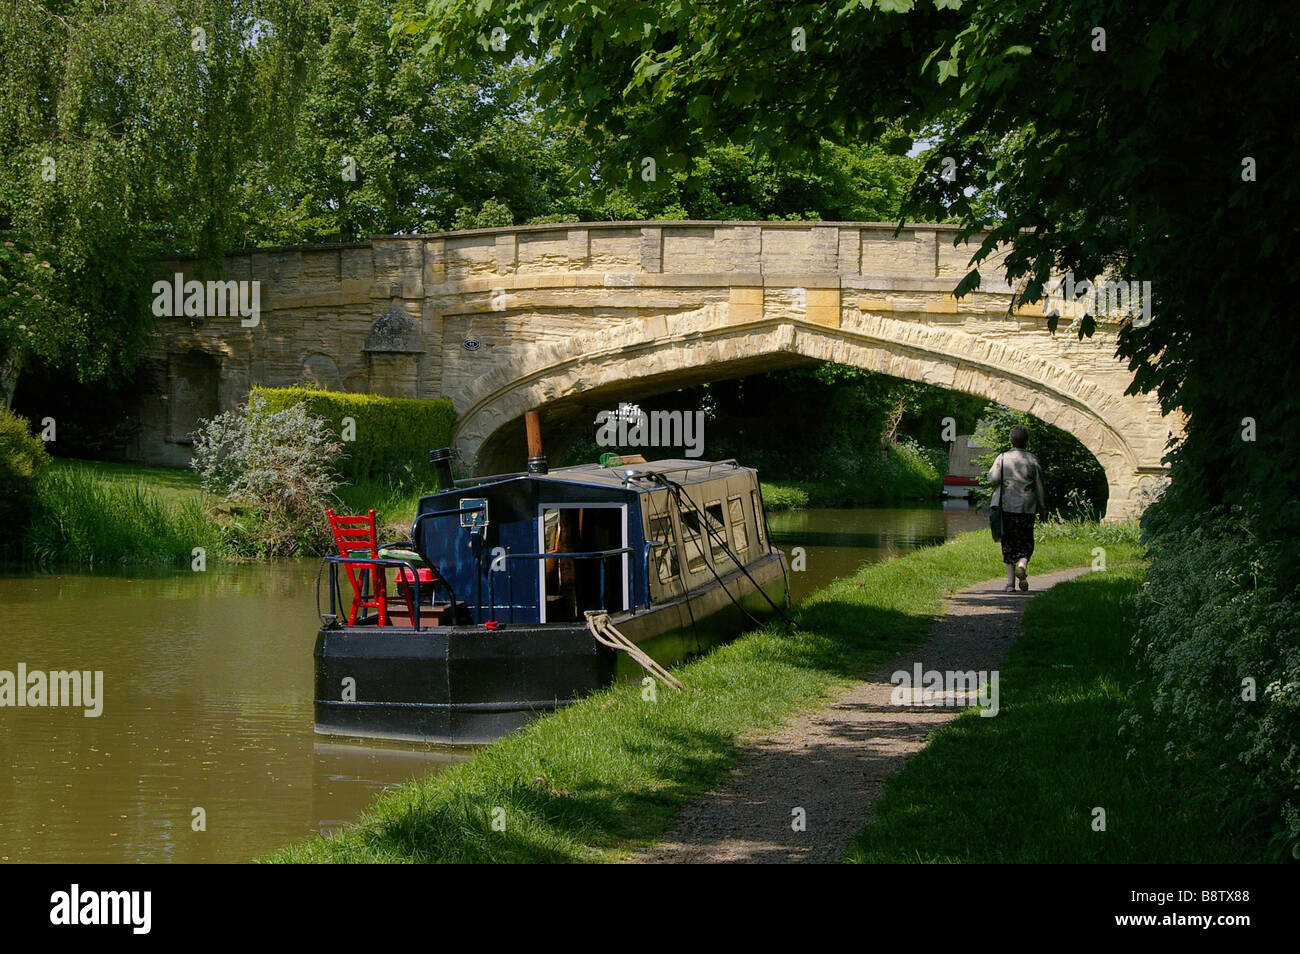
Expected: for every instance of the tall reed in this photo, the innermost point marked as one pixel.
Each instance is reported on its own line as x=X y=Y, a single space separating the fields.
x=82 y=519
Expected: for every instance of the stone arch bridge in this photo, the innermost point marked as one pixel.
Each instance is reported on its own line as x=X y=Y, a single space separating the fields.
x=573 y=318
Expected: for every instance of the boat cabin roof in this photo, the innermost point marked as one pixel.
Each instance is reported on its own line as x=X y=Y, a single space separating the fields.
x=621 y=477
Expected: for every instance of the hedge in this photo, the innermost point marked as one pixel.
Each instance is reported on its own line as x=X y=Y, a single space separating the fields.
x=392 y=435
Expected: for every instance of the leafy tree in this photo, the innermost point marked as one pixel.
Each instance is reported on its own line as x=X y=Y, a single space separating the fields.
x=662 y=80
x=385 y=144
x=856 y=182
x=124 y=126
x=1141 y=141
x=32 y=321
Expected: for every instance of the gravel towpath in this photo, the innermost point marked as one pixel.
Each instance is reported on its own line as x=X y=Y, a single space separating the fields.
x=833 y=762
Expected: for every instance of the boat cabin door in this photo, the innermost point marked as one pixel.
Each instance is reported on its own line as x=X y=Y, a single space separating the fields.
x=572 y=585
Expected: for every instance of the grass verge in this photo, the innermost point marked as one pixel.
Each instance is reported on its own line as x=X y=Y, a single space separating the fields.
x=1023 y=787
x=172 y=483
x=865 y=492
x=101 y=515
x=394 y=503
x=596 y=780
x=98 y=514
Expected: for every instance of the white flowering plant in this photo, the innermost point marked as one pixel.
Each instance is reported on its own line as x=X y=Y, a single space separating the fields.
x=276 y=471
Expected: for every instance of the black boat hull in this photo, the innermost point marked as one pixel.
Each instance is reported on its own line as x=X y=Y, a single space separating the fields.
x=467 y=685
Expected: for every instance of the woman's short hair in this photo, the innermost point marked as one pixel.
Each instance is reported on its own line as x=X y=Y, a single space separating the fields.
x=1019 y=436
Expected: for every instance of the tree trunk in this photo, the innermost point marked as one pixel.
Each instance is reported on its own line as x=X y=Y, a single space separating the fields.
x=11 y=366
x=890 y=432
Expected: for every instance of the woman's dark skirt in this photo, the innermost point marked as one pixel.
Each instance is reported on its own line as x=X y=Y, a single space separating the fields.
x=1017 y=536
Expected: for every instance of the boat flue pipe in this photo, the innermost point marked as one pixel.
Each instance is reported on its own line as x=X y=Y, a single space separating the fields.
x=441 y=461
x=536 y=459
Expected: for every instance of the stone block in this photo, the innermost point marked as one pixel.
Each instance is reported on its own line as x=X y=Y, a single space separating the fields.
x=652 y=249
x=746 y=304
x=506 y=250
x=875 y=304
x=849 y=261
x=579 y=248
x=824 y=307
x=615 y=249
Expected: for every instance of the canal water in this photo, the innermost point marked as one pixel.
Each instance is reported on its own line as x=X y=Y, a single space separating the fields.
x=204 y=750
x=834 y=543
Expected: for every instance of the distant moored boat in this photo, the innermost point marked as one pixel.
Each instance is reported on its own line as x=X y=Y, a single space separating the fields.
x=964 y=475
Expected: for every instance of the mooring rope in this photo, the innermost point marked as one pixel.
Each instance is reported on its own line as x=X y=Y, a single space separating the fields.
x=607 y=635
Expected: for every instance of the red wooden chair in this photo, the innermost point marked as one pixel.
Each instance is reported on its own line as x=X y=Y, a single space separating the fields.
x=355 y=536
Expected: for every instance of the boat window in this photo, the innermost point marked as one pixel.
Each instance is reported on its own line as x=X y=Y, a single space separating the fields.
x=691 y=542
x=665 y=557
x=736 y=516
x=717 y=532
x=758 y=521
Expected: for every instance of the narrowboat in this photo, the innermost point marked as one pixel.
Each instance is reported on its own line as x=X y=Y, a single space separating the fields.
x=519 y=593
x=964 y=476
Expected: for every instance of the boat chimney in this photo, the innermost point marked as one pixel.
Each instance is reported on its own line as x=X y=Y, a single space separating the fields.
x=536 y=459
x=441 y=461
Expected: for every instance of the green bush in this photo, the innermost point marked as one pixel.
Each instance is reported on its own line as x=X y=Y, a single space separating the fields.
x=886 y=474
x=393 y=436
x=896 y=472
x=907 y=471
x=784 y=497
x=1218 y=638
x=23 y=459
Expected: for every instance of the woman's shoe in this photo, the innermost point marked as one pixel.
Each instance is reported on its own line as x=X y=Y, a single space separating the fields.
x=1008 y=588
x=1022 y=576
x=1024 y=584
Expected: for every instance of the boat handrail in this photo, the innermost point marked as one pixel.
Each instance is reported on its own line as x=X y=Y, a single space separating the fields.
x=476 y=481
x=415 y=524
x=386 y=562
x=564 y=555
x=707 y=465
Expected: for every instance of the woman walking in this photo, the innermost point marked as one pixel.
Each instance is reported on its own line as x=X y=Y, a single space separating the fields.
x=1020 y=494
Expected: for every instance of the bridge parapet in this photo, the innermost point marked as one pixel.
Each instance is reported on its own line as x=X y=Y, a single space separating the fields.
x=682 y=248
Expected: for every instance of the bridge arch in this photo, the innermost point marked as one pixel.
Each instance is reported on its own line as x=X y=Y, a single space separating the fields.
x=575 y=378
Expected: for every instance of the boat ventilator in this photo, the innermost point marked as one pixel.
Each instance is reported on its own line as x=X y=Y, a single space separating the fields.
x=607 y=635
